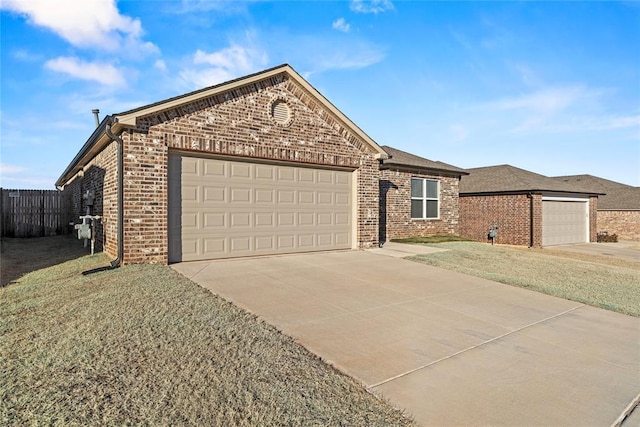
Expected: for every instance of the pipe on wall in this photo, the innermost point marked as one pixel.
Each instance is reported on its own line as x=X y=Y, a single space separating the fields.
x=531 y=228
x=120 y=160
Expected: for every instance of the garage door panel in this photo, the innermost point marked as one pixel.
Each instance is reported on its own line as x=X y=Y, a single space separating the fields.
x=306 y=197
x=286 y=242
x=214 y=245
x=286 y=197
x=240 y=195
x=190 y=193
x=221 y=208
x=239 y=219
x=190 y=166
x=286 y=219
x=264 y=196
x=306 y=219
x=343 y=199
x=264 y=219
x=214 y=169
x=306 y=241
x=264 y=173
x=213 y=194
x=214 y=219
x=240 y=170
x=306 y=175
x=342 y=238
x=325 y=177
x=286 y=174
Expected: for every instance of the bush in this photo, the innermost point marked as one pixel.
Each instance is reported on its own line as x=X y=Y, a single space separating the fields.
x=605 y=237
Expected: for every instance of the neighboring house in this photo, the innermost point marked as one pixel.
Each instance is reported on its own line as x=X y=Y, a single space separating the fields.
x=618 y=208
x=529 y=209
x=259 y=165
x=418 y=197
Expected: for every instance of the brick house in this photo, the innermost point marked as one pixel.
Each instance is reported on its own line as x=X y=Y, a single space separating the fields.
x=263 y=164
x=618 y=207
x=529 y=209
x=418 y=196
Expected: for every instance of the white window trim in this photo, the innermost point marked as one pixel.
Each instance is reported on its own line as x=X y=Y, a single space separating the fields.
x=424 y=198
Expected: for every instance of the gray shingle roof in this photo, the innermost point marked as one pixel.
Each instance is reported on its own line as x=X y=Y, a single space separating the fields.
x=617 y=196
x=401 y=158
x=510 y=179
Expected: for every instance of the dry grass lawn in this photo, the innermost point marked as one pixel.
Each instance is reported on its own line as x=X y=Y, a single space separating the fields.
x=143 y=345
x=613 y=284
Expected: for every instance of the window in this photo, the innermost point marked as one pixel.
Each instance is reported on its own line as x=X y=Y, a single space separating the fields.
x=425 y=198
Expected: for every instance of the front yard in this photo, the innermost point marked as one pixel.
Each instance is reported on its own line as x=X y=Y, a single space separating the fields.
x=613 y=284
x=143 y=345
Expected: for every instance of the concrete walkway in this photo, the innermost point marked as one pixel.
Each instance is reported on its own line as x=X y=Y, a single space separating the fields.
x=450 y=349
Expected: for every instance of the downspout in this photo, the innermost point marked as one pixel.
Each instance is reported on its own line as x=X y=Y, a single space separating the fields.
x=120 y=160
x=531 y=228
x=118 y=261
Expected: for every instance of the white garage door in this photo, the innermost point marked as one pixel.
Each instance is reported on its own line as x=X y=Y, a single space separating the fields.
x=564 y=222
x=222 y=209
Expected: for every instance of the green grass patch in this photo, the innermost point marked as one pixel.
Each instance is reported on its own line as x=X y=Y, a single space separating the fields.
x=431 y=239
x=594 y=281
x=144 y=345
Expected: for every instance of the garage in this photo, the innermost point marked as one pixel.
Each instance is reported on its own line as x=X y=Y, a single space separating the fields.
x=564 y=221
x=221 y=208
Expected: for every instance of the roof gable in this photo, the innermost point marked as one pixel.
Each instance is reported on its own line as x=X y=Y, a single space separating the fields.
x=509 y=179
x=129 y=119
x=402 y=159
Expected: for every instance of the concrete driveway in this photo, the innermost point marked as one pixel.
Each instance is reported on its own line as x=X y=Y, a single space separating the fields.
x=448 y=348
x=629 y=251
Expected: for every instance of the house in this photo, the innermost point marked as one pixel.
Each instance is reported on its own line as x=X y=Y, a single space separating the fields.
x=618 y=208
x=260 y=165
x=418 y=196
x=528 y=209
x=263 y=164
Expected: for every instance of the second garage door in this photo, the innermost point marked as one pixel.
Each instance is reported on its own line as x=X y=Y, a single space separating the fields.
x=564 y=222
x=221 y=209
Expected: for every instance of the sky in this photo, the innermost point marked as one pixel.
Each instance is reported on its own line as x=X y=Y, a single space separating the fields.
x=550 y=87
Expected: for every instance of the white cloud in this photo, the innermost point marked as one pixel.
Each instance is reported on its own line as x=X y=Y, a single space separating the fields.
x=350 y=56
x=372 y=6
x=207 y=69
x=11 y=169
x=160 y=65
x=547 y=100
x=26 y=56
x=102 y=73
x=560 y=109
x=85 y=24
x=341 y=25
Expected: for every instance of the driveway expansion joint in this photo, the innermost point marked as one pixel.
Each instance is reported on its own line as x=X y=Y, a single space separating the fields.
x=404 y=374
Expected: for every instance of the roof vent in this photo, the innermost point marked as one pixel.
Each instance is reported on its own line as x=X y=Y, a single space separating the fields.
x=281 y=112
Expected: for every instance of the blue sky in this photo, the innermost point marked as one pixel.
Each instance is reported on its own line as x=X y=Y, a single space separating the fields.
x=551 y=87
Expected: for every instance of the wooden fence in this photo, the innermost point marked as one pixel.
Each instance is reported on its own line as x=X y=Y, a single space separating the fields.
x=33 y=213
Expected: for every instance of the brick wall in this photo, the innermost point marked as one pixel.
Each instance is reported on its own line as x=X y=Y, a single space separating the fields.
x=395 y=206
x=100 y=177
x=510 y=213
x=626 y=224
x=237 y=123
x=593 y=219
